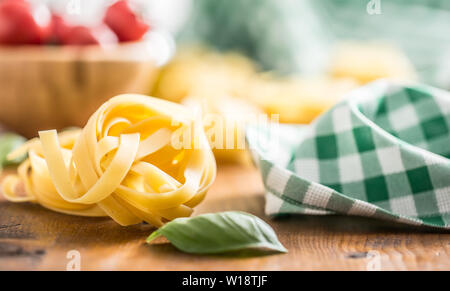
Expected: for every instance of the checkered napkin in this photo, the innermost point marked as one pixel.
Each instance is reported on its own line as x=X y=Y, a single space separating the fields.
x=383 y=152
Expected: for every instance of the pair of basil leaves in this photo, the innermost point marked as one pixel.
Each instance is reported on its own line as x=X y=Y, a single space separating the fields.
x=218 y=233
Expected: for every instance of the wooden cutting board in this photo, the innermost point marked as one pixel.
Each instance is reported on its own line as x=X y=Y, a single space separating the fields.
x=33 y=238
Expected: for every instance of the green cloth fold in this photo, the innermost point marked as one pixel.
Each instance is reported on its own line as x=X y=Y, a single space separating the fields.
x=383 y=152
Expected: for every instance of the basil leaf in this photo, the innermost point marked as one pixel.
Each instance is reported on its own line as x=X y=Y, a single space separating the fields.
x=220 y=233
x=9 y=142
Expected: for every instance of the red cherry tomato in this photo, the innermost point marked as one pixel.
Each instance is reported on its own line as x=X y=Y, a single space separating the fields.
x=59 y=29
x=18 y=25
x=81 y=35
x=124 y=22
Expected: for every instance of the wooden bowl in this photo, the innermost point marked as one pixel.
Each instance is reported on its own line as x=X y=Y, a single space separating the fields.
x=49 y=87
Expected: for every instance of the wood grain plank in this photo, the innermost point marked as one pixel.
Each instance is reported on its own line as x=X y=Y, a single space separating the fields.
x=33 y=238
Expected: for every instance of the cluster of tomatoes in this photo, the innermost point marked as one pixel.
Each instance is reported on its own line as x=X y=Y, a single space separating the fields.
x=23 y=24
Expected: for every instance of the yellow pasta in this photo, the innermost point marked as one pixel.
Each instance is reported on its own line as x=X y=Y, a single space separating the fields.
x=298 y=99
x=367 y=62
x=226 y=116
x=138 y=159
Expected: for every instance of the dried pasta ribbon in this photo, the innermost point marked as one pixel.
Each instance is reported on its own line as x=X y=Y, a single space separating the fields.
x=122 y=164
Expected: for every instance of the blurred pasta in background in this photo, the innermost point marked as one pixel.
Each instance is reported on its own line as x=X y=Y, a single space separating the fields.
x=291 y=58
x=299 y=36
x=298 y=58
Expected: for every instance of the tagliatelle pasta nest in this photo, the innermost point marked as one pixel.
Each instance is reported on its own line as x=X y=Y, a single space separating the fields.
x=138 y=159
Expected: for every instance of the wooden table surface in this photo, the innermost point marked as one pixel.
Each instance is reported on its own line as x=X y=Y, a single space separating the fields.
x=33 y=238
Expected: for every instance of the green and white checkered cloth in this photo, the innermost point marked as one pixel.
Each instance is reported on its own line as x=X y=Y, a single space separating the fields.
x=383 y=152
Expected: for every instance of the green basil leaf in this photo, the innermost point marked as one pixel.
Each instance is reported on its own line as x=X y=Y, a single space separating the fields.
x=220 y=233
x=9 y=142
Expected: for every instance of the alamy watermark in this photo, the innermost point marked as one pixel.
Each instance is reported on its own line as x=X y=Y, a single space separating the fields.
x=73 y=7
x=374 y=261
x=74 y=263
x=225 y=132
x=374 y=7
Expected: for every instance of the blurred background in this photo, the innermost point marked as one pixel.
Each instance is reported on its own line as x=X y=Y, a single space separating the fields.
x=296 y=36
x=294 y=58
